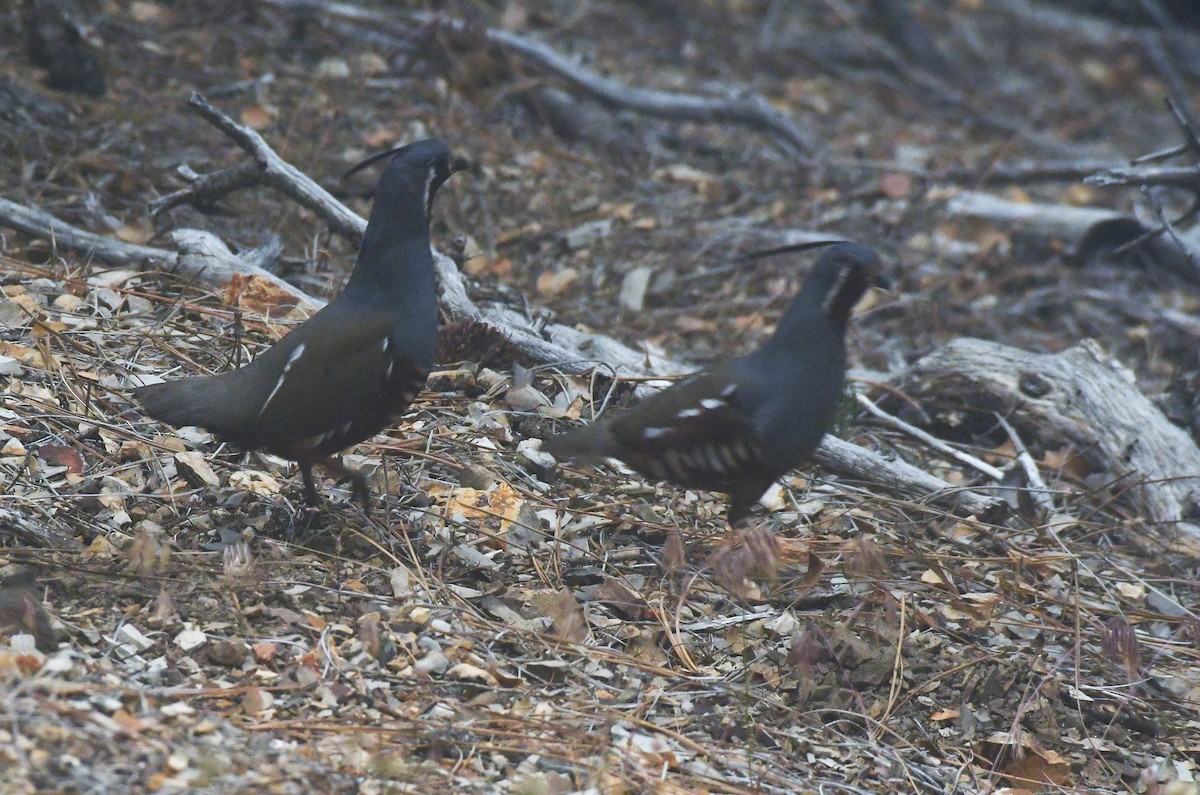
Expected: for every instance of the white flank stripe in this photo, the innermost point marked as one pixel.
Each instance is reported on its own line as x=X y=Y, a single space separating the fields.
x=671 y=459
x=296 y=354
x=712 y=403
x=655 y=433
x=688 y=413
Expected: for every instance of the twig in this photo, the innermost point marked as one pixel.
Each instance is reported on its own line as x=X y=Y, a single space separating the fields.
x=41 y=224
x=900 y=476
x=1186 y=177
x=931 y=440
x=1154 y=45
x=205 y=189
x=1038 y=491
x=280 y=174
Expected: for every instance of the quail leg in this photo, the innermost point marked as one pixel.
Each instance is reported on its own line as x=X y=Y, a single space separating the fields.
x=310 y=486
x=358 y=481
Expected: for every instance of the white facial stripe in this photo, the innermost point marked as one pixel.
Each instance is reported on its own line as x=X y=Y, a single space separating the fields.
x=838 y=284
x=429 y=178
x=296 y=354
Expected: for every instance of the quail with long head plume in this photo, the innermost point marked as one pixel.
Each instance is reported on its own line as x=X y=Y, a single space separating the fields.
x=351 y=369
x=739 y=425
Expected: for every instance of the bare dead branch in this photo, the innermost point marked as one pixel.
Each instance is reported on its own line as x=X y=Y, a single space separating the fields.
x=198 y=253
x=748 y=110
x=280 y=174
x=1080 y=398
x=900 y=476
x=40 y=224
x=206 y=189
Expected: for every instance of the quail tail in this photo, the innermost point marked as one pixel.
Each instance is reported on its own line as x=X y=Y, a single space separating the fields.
x=589 y=443
x=202 y=401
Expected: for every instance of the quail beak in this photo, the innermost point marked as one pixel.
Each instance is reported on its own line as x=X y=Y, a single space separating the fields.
x=459 y=163
x=877 y=279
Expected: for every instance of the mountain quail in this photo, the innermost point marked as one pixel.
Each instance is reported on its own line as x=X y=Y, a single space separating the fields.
x=741 y=424
x=352 y=368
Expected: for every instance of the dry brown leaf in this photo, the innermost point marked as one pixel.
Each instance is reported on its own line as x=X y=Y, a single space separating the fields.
x=61 y=455
x=622 y=598
x=255 y=117
x=264 y=652
x=569 y=622
x=1023 y=760
x=895 y=186
x=258 y=295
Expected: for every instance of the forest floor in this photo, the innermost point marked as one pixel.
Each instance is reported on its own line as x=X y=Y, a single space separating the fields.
x=493 y=627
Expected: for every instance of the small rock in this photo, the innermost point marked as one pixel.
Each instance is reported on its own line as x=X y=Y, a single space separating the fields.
x=531 y=453
x=555 y=283
x=68 y=302
x=195 y=469
x=10 y=366
x=584 y=235
x=433 y=664
x=334 y=68
x=633 y=289
x=190 y=639
x=230 y=652
x=474 y=476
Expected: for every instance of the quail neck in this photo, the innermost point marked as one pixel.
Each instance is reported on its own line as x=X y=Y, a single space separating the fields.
x=395 y=255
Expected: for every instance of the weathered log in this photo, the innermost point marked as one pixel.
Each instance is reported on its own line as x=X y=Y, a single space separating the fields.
x=1080 y=397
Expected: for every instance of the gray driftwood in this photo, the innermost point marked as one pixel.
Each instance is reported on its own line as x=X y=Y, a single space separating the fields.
x=1081 y=398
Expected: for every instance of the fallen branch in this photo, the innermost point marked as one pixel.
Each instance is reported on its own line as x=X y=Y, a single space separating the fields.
x=901 y=476
x=1051 y=220
x=1085 y=230
x=1080 y=398
x=38 y=223
x=748 y=110
x=280 y=174
x=199 y=255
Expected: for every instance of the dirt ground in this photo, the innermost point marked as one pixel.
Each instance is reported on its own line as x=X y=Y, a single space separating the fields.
x=494 y=627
